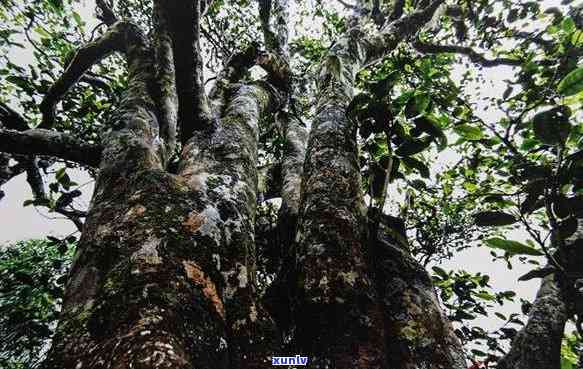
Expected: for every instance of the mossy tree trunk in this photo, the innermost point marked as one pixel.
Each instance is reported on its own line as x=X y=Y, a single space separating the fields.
x=164 y=275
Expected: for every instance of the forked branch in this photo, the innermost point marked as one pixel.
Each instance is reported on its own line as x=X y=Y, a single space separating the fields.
x=105 y=11
x=398 y=30
x=111 y=41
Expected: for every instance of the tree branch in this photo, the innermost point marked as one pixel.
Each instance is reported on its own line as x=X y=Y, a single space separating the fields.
x=105 y=12
x=50 y=143
x=10 y=119
x=37 y=186
x=165 y=76
x=472 y=54
x=274 y=15
x=204 y=6
x=183 y=19
x=96 y=83
x=537 y=39
x=235 y=69
x=401 y=29
x=397 y=11
x=348 y=5
x=271 y=41
x=115 y=39
x=377 y=14
x=410 y=24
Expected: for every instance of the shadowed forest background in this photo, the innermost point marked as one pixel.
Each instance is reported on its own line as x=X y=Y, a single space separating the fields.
x=254 y=178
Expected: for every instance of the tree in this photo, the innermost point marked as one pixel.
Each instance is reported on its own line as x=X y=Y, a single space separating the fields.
x=181 y=263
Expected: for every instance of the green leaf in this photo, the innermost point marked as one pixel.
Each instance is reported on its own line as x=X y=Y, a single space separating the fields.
x=78 y=19
x=493 y=219
x=412 y=147
x=413 y=163
x=418 y=185
x=383 y=87
x=577 y=38
x=60 y=173
x=562 y=207
x=357 y=104
x=507 y=92
x=411 y=109
x=500 y=315
x=512 y=247
x=42 y=32
x=440 y=272
x=470 y=187
x=477 y=352
x=568 y=25
x=485 y=296
x=569 y=352
x=462 y=315
x=566 y=364
x=57 y=5
x=430 y=126
x=19 y=81
x=552 y=126
x=572 y=83
x=531 y=204
x=468 y=132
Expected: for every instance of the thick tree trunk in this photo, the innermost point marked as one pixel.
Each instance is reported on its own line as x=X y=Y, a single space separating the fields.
x=538 y=344
x=164 y=273
x=294 y=152
x=339 y=319
x=418 y=333
x=220 y=168
x=134 y=295
x=345 y=313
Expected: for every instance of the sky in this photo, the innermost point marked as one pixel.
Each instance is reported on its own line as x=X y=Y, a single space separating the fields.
x=18 y=223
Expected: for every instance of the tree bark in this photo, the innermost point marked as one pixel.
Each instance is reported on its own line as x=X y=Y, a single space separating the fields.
x=538 y=344
x=133 y=297
x=418 y=334
x=50 y=143
x=220 y=168
x=339 y=319
x=164 y=276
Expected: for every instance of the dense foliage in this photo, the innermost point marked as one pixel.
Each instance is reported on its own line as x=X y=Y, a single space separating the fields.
x=32 y=276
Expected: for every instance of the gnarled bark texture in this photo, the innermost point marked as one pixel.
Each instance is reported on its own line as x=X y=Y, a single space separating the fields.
x=538 y=344
x=220 y=168
x=164 y=273
x=344 y=320
x=418 y=333
x=339 y=319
